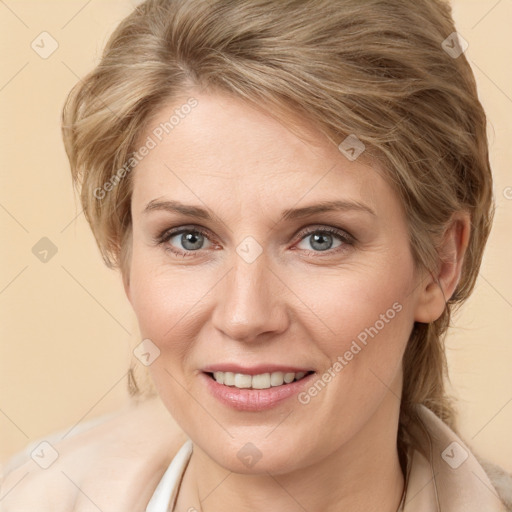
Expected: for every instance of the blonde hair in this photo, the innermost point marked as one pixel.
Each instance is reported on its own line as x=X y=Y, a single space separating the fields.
x=373 y=68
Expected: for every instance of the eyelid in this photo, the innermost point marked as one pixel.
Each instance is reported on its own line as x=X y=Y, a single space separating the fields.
x=342 y=233
x=167 y=234
x=345 y=237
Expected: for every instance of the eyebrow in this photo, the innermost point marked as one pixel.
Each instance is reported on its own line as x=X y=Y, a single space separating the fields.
x=292 y=213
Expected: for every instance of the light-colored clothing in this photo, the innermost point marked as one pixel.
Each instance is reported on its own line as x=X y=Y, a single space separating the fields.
x=167 y=490
x=444 y=476
x=449 y=478
x=117 y=464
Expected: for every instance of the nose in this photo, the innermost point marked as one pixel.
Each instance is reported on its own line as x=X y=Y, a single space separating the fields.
x=250 y=303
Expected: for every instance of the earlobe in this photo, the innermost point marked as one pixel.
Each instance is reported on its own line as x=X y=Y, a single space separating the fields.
x=437 y=288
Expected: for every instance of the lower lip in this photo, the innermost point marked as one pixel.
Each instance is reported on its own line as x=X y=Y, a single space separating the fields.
x=254 y=399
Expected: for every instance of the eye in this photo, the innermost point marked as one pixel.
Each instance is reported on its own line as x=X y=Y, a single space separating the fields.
x=325 y=239
x=184 y=241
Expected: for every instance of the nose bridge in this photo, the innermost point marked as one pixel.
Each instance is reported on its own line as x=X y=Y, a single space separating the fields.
x=249 y=302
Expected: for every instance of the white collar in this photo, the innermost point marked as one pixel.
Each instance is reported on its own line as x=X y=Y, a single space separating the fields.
x=444 y=476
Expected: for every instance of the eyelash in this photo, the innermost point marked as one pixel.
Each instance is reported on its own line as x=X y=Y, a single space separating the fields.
x=343 y=236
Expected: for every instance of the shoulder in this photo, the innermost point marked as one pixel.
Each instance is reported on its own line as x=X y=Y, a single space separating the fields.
x=459 y=479
x=501 y=480
x=114 y=465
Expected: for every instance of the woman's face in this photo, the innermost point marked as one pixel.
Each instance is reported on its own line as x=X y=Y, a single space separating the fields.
x=236 y=268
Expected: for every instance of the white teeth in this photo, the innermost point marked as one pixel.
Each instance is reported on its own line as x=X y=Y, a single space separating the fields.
x=229 y=378
x=242 y=381
x=276 y=378
x=260 y=381
x=288 y=377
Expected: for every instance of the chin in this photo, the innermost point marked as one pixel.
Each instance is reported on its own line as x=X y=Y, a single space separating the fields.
x=257 y=456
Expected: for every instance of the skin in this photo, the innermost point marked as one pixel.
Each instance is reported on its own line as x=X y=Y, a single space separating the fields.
x=295 y=305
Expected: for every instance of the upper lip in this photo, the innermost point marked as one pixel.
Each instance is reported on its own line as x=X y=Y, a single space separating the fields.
x=254 y=370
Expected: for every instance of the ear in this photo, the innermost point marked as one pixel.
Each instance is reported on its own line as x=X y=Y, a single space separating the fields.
x=437 y=288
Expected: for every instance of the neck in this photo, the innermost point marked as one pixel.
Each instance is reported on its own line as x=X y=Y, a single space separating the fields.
x=361 y=475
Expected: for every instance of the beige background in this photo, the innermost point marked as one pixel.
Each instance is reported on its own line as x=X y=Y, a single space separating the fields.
x=66 y=327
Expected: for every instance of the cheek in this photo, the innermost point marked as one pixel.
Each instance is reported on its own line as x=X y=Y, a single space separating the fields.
x=362 y=318
x=164 y=299
x=369 y=317
x=337 y=306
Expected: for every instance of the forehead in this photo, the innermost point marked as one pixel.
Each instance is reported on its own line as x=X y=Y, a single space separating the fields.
x=227 y=150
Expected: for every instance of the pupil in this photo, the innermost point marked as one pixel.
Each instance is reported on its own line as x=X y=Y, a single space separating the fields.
x=192 y=238
x=319 y=239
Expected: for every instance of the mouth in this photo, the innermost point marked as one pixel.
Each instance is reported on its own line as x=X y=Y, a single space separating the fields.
x=255 y=388
x=258 y=381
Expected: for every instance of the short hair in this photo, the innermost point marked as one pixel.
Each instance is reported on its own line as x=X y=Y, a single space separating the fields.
x=378 y=69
